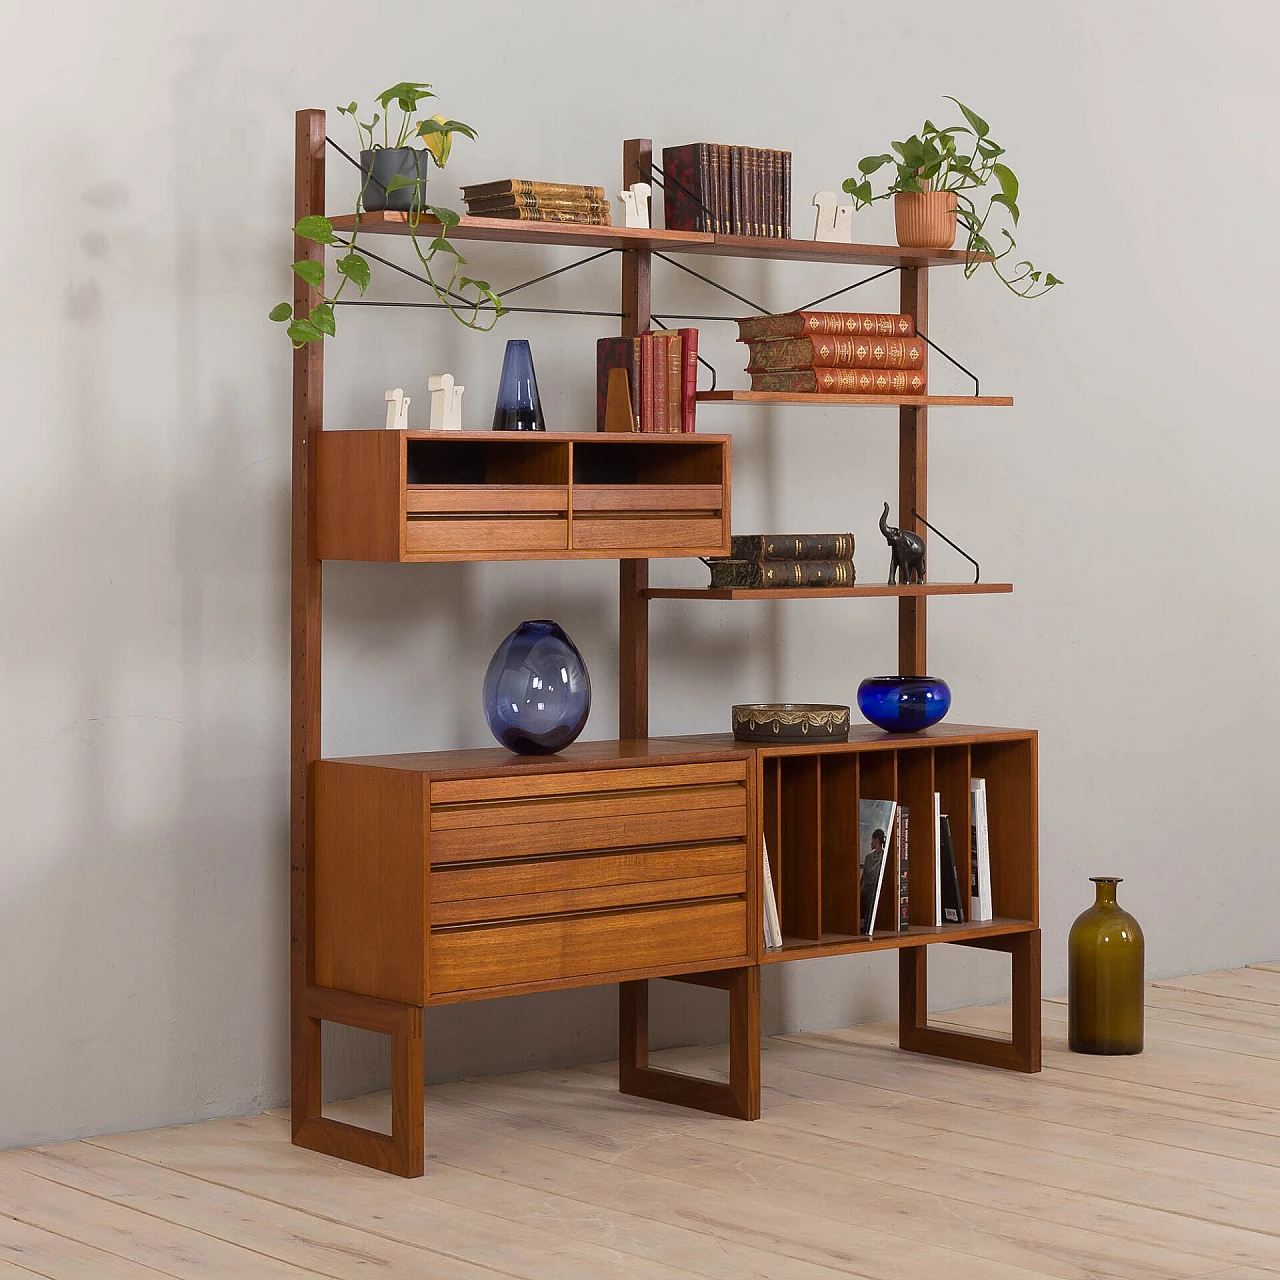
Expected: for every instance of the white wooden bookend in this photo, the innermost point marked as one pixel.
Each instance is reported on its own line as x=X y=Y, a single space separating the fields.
x=446 y=402
x=635 y=204
x=397 y=409
x=834 y=222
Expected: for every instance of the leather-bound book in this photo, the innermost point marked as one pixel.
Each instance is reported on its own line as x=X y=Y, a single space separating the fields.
x=724 y=196
x=585 y=217
x=786 y=195
x=686 y=187
x=852 y=324
x=527 y=187
x=756 y=574
x=689 y=381
x=842 y=382
x=791 y=546
x=782 y=354
x=617 y=353
x=735 y=196
x=659 y=421
x=479 y=207
x=647 y=410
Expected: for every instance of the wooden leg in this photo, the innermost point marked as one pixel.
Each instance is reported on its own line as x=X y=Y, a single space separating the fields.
x=1022 y=1053
x=402 y=1152
x=740 y=1098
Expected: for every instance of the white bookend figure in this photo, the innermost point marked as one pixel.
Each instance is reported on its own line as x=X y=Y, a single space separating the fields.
x=446 y=402
x=834 y=222
x=635 y=204
x=397 y=409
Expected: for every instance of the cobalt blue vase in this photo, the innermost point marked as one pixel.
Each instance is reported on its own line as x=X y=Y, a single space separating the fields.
x=903 y=704
x=518 y=407
x=537 y=693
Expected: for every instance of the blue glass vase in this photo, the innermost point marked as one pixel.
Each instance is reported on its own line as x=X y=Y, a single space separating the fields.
x=537 y=693
x=518 y=407
x=903 y=704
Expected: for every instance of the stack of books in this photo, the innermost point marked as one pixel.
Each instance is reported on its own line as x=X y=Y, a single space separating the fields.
x=530 y=201
x=647 y=383
x=834 y=353
x=737 y=191
x=757 y=560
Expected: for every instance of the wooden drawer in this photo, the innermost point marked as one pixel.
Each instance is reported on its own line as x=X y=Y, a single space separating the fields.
x=442 y=534
x=487 y=499
x=706 y=499
x=549 y=886
x=616 y=816
x=581 y=947
x=629 y=532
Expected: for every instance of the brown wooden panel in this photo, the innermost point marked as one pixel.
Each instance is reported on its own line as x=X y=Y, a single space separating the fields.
x=801 y=905
x=648 y=497
x=839 y=836
x=582 y=946
x=630 y=867
x=1013 y=820
x=370 y=881
x=358 y=494
x=615 y=804
x=563 y=901
x=487 y=499
x=771 y=826
x=532 y=838
x=915 y=790
x=691 y=535
x=595 y=780
x=460 y=535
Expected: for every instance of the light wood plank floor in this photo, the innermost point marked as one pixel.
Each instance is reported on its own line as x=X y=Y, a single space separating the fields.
x=868 y=1162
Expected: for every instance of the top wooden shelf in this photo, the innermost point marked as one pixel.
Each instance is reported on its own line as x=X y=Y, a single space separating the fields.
x=577 y=235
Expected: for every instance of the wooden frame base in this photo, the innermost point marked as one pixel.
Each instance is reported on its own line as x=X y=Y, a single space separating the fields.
x=740 y=1098
x=400 y=1153
x=1022 y=1053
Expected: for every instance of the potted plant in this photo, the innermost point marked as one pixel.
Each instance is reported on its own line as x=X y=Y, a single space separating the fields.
x=394 y=176
x=935 y=171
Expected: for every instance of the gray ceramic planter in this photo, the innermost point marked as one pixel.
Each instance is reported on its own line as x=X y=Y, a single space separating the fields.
x=385 y=163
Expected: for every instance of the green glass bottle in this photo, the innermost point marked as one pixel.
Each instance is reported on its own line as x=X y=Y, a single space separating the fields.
x=1105 y=976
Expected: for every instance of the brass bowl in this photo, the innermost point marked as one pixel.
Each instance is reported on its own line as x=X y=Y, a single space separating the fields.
x=790 y=722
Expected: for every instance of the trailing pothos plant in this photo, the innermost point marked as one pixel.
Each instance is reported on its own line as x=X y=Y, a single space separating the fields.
x=472 y=302
x=960 y=159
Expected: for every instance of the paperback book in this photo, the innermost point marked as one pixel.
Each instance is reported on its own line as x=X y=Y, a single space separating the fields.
x=953 y=908
x=875 y=829
x=980 y=905
x=772 y=922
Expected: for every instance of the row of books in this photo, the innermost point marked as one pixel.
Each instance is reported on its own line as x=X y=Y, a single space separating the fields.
x=738 y=191
x=647 y=383
x=759 y=560
x=835 y=352
x=529 y=201
x=884 y=859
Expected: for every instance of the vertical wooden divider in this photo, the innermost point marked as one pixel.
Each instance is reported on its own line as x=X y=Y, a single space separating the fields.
x=913 y=454
x=951 y=780
x=633 y=575
x=801 y=808
x=839 y=787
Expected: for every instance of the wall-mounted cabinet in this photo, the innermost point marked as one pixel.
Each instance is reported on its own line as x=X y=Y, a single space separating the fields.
x=483 y=495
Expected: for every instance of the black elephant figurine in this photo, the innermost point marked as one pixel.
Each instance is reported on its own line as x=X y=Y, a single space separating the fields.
x=906 y=563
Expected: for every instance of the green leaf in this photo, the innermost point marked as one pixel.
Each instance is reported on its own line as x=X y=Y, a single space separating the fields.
x=281 y=311
x=311 y=272
x=400 y=181
x=980 y=126
x=406 y=95
x=356 y=269
x=1008 y=204
x=441 y=245
x=870 y=164
x=446 y=216
x=482 y=285
x=315 y=227
x=1050 y=279
x=304 y=331
x=1008 y=182
x=322 y=317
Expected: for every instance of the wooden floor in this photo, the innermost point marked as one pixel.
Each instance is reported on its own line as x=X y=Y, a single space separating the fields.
x=868 y=1162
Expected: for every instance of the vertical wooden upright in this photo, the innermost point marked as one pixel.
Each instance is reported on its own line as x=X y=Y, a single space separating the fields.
x=633 y=575
x=913 y=459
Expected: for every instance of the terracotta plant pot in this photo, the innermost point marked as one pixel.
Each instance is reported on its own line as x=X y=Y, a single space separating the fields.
x=925 y=220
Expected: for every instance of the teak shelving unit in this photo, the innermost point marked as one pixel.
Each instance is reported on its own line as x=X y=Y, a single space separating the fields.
x=427 y=879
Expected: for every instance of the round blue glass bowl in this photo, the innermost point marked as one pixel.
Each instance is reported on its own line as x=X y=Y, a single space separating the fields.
x=537 y=693
x=903 y=704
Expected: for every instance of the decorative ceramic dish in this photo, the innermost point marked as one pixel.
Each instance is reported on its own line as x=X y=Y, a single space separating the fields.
x=790 y=722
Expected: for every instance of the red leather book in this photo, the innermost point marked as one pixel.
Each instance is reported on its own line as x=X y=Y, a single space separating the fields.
x=867 y=382
x=781 y=354
x=735 y=198
x=725 y=197
x=689 y=389
x=646 y=382
x=615 y=353
x=685 y=191
x=853 y=324
x=786 y=195
x=659 y=422
x=675 y=383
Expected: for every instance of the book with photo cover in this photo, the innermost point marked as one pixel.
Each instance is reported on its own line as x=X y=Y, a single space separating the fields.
x=875 y=831
x=980 y=904
x=953 y=910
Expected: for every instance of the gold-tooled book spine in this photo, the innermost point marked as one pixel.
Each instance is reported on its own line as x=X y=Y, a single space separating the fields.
x=527 y=187
x=780 y=354
x=839 y=382
x=849 y=324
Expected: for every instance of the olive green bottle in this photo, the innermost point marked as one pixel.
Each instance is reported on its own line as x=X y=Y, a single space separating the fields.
x=1105 y=976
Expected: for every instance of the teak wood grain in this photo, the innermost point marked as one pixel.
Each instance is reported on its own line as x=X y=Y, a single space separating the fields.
x=867 y=590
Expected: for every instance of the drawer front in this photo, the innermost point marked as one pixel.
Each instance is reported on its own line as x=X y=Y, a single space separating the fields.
x=568 y=947
x=674 y=532
x=707 y=499
x=495 y=500
x=610 y=811
x=457 y=534
x=465 y=893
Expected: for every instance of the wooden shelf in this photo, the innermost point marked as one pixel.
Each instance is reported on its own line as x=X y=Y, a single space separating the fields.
x=784 y=397
x=576 y=235
x=838 y=593
x=840 y=944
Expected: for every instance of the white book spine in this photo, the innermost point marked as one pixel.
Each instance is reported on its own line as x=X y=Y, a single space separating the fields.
x=984 y=908
x=937 y=858
x=772 y=924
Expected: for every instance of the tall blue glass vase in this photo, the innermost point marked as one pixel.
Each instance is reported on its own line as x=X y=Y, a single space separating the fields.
x=518 y=407
x=537 y=693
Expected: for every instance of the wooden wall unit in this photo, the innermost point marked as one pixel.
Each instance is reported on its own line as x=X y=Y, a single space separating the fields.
x=438 y=877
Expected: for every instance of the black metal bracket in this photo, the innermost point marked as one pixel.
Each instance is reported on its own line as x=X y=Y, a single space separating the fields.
x=977 y=568
x=977 y=387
